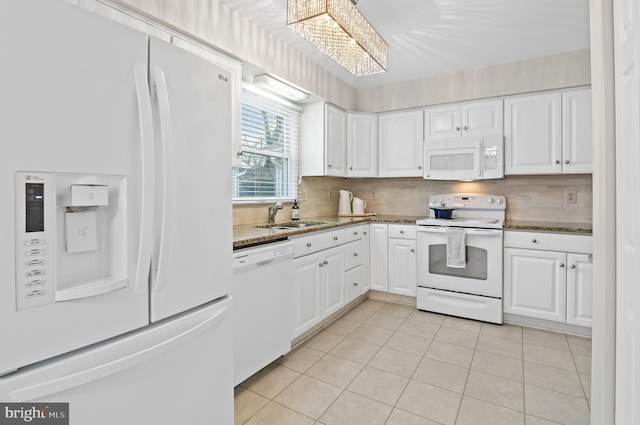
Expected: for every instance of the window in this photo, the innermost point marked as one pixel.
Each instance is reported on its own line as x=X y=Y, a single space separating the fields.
x=270 y=134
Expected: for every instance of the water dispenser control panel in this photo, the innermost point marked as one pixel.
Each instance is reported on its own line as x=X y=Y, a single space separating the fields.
x=34 y=239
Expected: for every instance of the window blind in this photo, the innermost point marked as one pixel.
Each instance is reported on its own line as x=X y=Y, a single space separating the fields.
x=270 y=137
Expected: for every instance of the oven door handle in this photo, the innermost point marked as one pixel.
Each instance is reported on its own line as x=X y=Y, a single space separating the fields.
x=469 y=231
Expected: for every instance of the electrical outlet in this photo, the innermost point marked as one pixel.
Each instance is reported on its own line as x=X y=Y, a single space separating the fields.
x=570 y=196
x=372 y=195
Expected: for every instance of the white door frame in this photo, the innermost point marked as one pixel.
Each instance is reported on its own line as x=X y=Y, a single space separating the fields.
x=604 y=214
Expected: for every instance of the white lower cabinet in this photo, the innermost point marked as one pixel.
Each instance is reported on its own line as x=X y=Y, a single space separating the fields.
x=378 y=257
x=307 y=293
x=402 y=259
x=535 y=283
x=579 y=289
x=319 y=287
x=329 y=273
x=548 y=276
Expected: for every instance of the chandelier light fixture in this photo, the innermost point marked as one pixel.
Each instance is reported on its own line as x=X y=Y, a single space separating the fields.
x=338 y=29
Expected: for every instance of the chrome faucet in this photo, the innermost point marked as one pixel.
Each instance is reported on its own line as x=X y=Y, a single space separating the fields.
x=273 y=210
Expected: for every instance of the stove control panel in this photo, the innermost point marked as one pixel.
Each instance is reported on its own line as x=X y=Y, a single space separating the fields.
x=479 y=201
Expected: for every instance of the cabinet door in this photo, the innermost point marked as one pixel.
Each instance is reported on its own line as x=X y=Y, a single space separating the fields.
x=332 y=280
x=402 y=267
x=535 y=283
x=307 y=290
x=579 y=289
x=576 y=132
x=378 y=278
x=533 y=134
x=442 y=123
x=400 y=144
x=362 y=145
x=482 y=118
x=336 y=141
x=353 y=284
x=366 y=261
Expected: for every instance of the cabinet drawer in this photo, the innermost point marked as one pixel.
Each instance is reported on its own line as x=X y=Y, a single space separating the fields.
x=548 y=241
x=352 y=254
x=315 y=242
x=402 y=231
x=353 y=233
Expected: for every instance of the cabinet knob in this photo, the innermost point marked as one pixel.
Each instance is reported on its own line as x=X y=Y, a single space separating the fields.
x=364 y=233
x=355 y=254
x=355 y=233
x=308 y=244
x=401 y=231
x=566 y=161
x=329 y=165
x=457 y=128
x=573 y=266
x=534 y=240
x=557 y=161
x=465 y=128
x=239 y=153
x=561 y=265
x=355 y=283
x=351 y=168
x=335 y=238
x=321 y=264
x=325 y=262
x=419 y=167
x=413 y=250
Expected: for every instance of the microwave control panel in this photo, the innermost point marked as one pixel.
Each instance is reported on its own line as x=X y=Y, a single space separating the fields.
x=35 y=200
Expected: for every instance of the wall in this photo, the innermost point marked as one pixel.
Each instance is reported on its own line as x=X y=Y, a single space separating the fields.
x=570 y=69
x=220 y=27
x=530 y=198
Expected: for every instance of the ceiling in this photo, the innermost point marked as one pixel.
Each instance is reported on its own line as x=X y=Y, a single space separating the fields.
x=435 y=37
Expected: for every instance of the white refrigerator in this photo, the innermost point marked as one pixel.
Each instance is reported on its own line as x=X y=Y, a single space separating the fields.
x=115 y=233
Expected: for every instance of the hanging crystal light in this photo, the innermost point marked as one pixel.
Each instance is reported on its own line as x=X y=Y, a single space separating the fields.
x=338 y=29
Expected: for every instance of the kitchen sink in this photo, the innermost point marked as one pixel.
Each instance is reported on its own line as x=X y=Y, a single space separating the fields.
x=290 y=225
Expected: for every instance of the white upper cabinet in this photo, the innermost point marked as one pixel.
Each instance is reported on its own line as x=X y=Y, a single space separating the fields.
x=533 y=134
x=323 y=141
x=548 y=133
x=576 y=132
x=335 y=140
x=468 y=119
x=362 y=145
x=400 y=144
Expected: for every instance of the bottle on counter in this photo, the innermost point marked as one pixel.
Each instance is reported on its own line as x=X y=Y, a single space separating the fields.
x=295 y=211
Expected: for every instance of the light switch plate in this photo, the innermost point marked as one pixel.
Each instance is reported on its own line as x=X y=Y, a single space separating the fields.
x=81 y=229
x=571 y=196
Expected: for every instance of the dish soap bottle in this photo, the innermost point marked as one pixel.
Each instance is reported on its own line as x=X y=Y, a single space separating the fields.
x=295 y=211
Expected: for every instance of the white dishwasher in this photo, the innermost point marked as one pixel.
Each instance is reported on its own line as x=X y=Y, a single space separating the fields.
x=263 y=306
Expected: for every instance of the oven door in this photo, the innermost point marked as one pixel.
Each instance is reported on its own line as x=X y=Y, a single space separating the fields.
x=482 y=274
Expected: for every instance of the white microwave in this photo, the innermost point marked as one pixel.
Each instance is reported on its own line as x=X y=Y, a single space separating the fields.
x=470 y=158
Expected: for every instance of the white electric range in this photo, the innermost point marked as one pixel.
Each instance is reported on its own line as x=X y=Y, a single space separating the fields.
x=472 y=289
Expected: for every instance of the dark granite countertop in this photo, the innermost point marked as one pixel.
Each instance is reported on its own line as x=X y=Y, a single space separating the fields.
x=548 y=226
x=248 y=234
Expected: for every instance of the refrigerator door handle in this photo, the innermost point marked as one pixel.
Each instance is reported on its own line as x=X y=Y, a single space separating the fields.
x=166 y=135
x=90 y=374
x=147 y=192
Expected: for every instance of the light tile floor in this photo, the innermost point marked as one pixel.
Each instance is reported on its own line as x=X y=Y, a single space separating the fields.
x=385 y=363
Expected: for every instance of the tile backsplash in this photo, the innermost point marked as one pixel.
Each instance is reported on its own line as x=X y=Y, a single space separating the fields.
x=535 y=198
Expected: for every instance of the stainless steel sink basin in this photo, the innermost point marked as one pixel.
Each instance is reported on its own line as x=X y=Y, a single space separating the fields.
x=290 y=225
